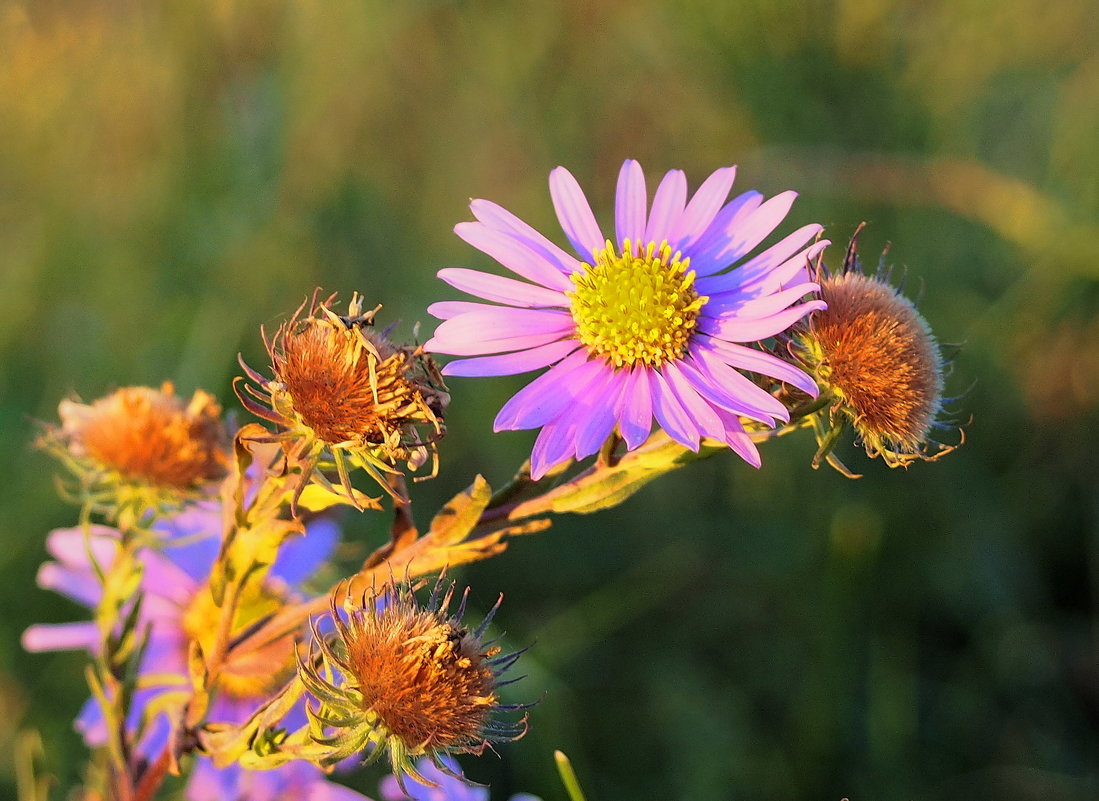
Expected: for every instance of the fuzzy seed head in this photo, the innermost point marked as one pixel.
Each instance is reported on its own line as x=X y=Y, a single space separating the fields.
x=337 y=391
x=426 y=678
x=405 y=679
x=147 y=436
x=874 y=351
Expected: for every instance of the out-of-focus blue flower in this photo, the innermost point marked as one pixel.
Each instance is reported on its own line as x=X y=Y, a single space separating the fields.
x=449 y=788
x=174 y=587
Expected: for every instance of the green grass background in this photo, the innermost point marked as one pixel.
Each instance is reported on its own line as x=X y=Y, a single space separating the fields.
x=174 y=175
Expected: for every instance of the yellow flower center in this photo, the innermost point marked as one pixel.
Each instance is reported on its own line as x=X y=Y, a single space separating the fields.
x=636 y=308
x=250 y=674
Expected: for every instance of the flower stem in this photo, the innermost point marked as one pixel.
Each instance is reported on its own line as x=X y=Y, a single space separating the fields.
x=568 y=777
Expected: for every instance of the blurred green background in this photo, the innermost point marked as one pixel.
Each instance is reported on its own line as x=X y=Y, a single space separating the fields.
x=174 y=175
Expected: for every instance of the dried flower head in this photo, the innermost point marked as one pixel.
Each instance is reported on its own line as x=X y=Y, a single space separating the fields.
x=342 y=390
x=877 y=364
x=140 y=445
x=406 y=679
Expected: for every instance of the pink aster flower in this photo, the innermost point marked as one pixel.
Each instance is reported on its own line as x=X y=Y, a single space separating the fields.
x=658 y=322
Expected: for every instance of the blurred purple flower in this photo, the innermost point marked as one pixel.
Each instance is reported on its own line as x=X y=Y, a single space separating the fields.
x=172 y=582
x=449 y=789
x=649 y=324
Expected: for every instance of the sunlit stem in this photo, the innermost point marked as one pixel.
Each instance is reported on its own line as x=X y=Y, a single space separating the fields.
x=513 y=489
x=28 y=751
x=121 y=646
x=568 y=777
x=810 y=406
x=827 y=438
x=228 y=615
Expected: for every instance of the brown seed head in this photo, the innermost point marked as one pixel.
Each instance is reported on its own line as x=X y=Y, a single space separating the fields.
x=148 y=435
x=426 y=678
x=405 y=680
x=874 y=351
x=340 y=382
x=329 y=378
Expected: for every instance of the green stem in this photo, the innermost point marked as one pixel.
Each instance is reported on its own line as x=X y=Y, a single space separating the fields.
x=568 y=776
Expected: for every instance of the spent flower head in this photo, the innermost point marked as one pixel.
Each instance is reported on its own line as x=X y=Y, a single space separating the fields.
x=406 y=679
x=659 y=321
x=140 y=447
x=343 y=391
x=877 y=364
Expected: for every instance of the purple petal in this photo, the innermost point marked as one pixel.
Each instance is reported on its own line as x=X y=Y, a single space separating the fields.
x=738 y=440
x=90 y=723
x=166 y=652
x=668 y=203
x=446 y=309
x=79 y=585
x=501 y=290
x=779 y=252
x=763 y=363
x=634 y=408
x=630 y=205
x=201 y=518
x=514 y=254
x=721 y=396
x=499 y=329
x=699 y=410
x=300 y=557
x=747 y=232
x=324 y=790
x=82 y=636
x=503 y=220
x=733 y=329
x=702 y=208
x=166 y=581
x=792 y=271
x=543 y=398
x=70 y=546
x=575 y=214
x=449 y=788
x=739 y=305
x=671 y=416
x=597 y=415
x=554 y=444
x=208 y=783
x=714 y=239
x=512 y=363
x=765 y=262
x=730 y=389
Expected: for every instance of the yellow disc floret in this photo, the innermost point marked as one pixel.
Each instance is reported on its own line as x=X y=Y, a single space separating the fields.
x=636 y=308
